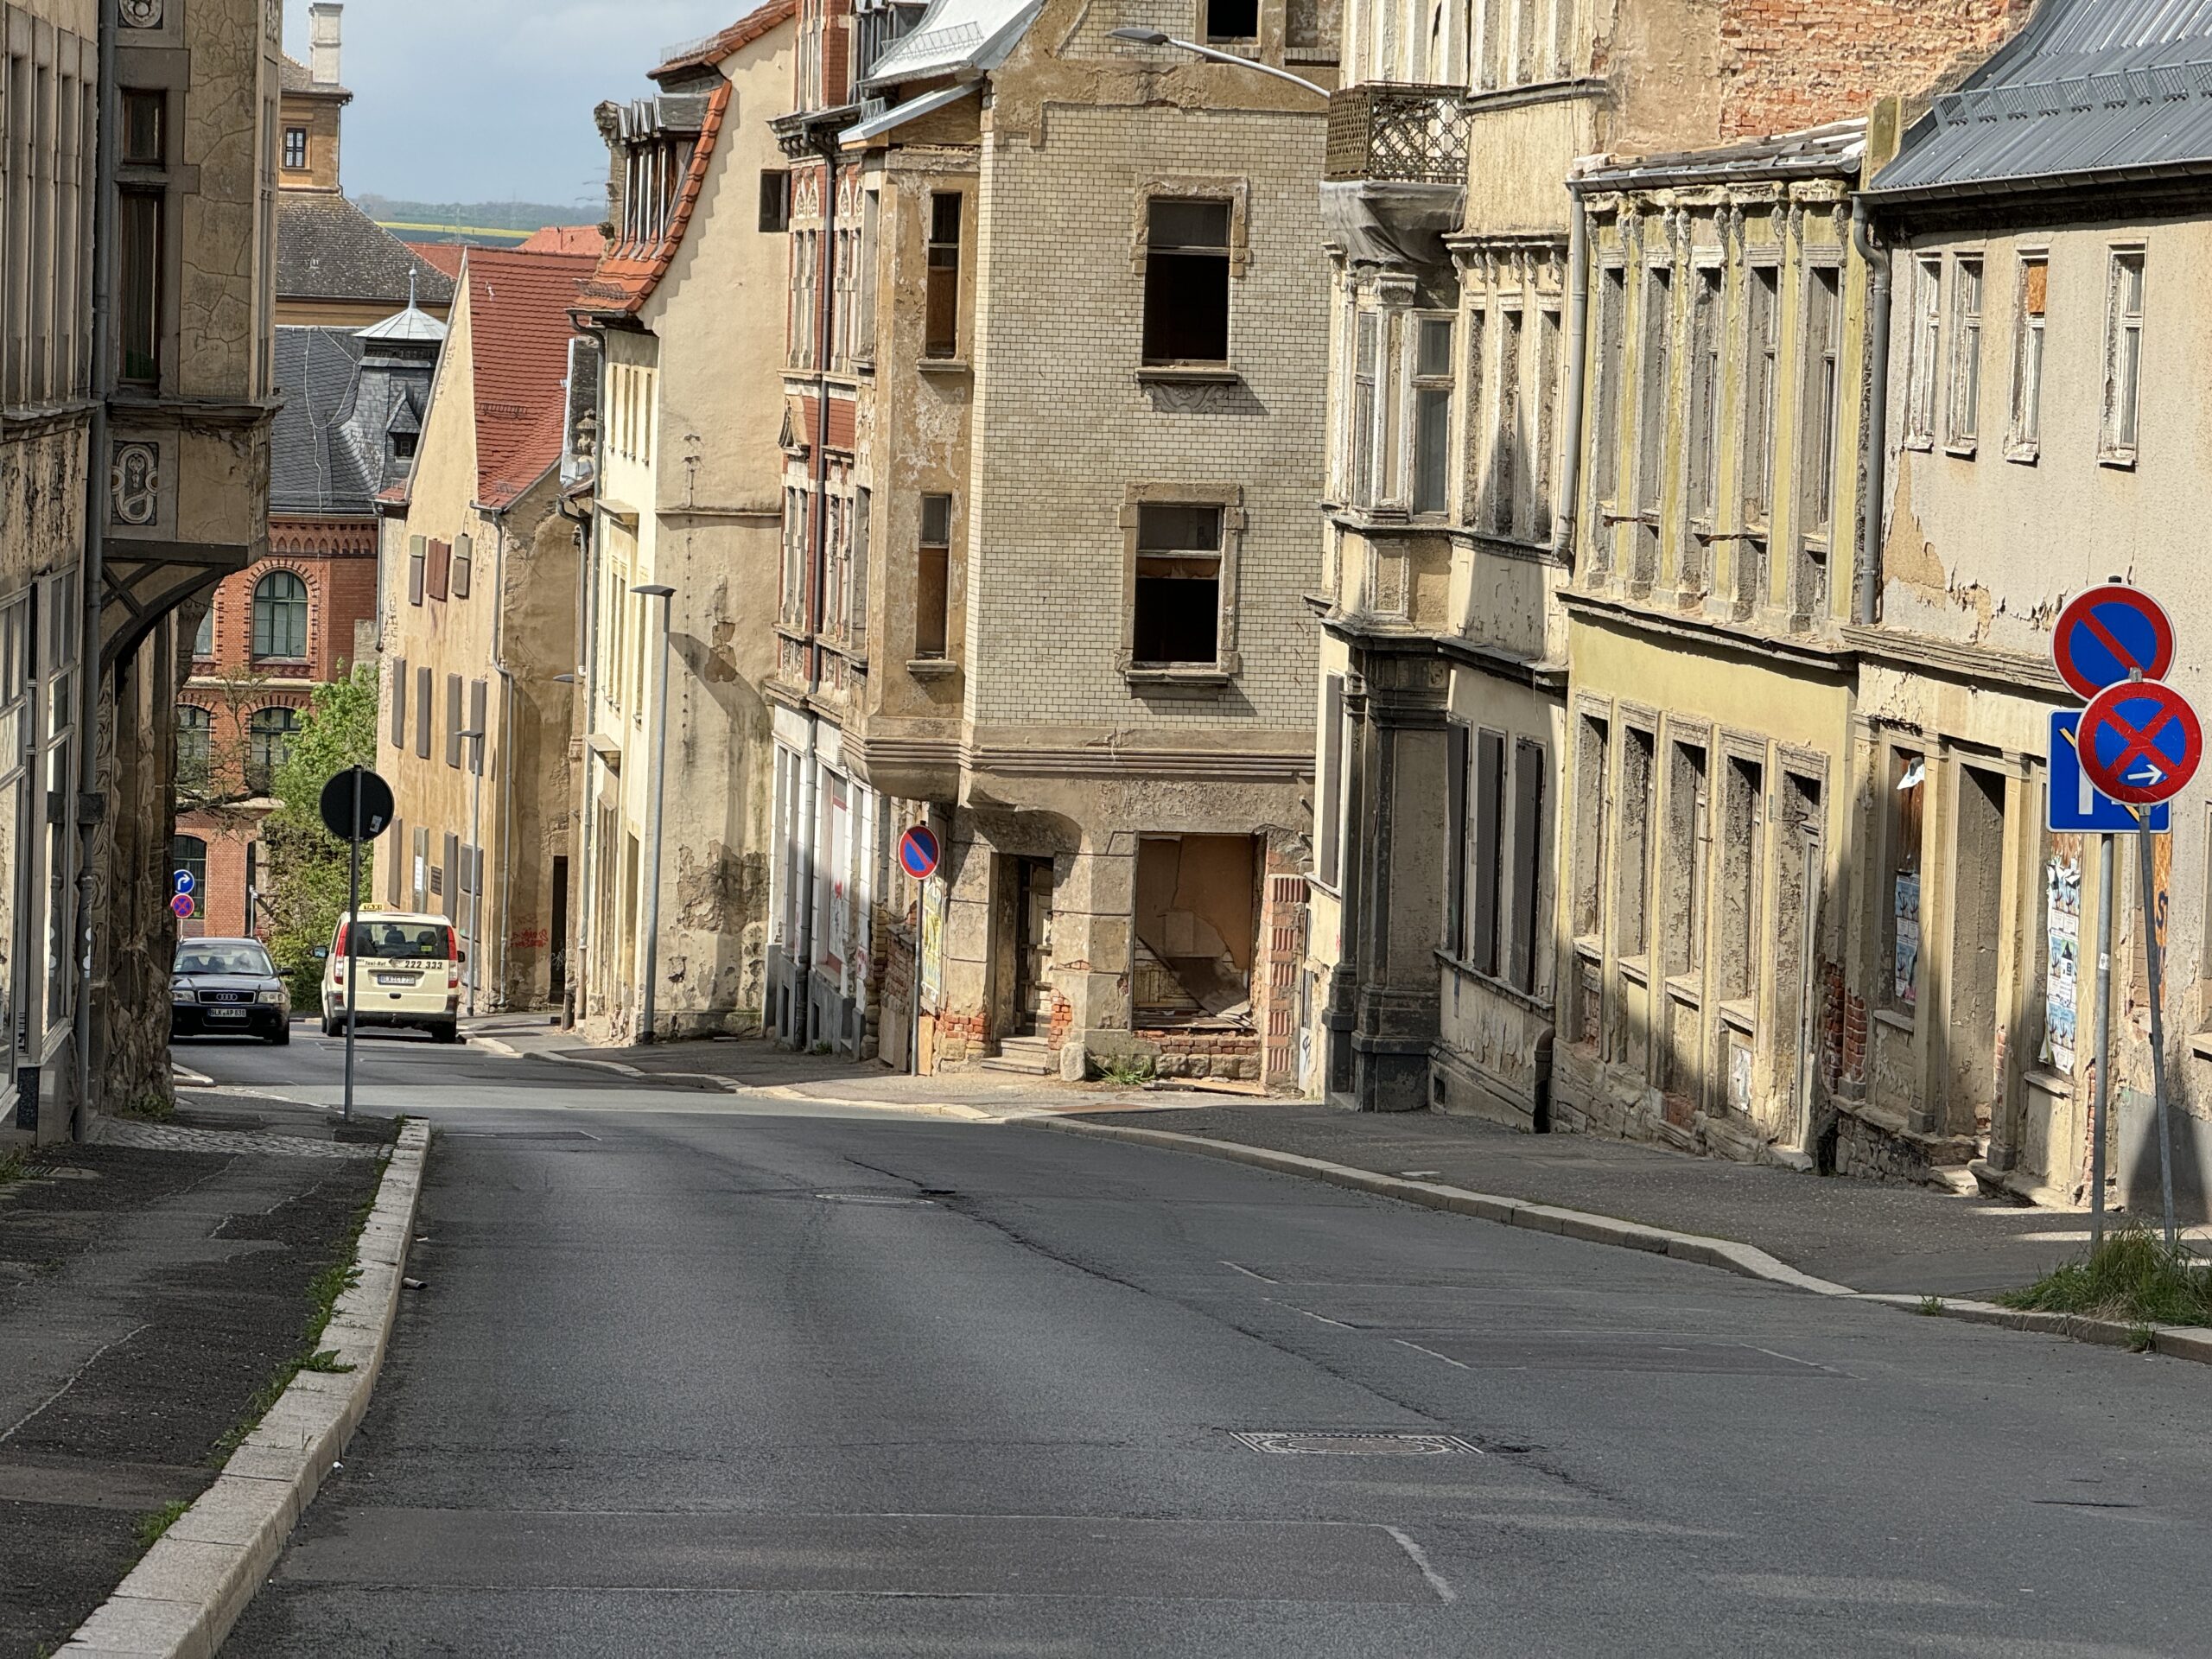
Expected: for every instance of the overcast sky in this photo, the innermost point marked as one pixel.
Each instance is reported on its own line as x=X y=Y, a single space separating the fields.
x=488 y=100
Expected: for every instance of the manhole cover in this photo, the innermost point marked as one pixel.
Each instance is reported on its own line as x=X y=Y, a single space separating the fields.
x=1294 y=1444
x=869 y=1197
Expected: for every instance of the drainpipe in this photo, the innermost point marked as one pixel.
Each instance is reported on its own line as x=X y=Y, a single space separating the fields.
x=825 y=272
x=91 y=806
x=1578 y=347
x=506 y=757
x=1875 y=442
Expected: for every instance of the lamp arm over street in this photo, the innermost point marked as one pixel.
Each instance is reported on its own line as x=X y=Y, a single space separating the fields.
x=1157 y=37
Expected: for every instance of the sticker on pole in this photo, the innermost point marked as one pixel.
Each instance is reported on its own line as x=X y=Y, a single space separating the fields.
x=2076 y=806
x=917 y=853
x=182 y=907
x=2141 y=742
x=2106 y=634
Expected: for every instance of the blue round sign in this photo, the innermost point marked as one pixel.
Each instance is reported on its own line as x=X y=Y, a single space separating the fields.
x=917 y=853
x=184 y=882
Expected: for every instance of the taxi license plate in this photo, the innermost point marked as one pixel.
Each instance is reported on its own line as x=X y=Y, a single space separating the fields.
x=398 y=979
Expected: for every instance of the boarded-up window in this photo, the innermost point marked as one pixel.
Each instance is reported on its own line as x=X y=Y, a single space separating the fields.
x=1330 y=807
x=1529 y=858
x=399 y=704
x=416 y=545
x=437 y=570
x=1455 y=838
x=1485 y=850
x=463 y=563
x=423 y=713
x=395 y=847
x=478 y=692
x=451 y=894
x=453 y=719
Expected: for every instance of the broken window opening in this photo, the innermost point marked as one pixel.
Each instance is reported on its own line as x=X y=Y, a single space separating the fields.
x=2027 y=351
x=1965 y=418
x=1178 y=600
x=933 y=578
x=941 y=327
x=1187 y=281
x=1232 y=19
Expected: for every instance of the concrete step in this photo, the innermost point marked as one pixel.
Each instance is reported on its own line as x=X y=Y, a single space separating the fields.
x=1026 y=1055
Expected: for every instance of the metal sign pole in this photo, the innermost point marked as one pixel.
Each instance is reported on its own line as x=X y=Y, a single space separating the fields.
x=2099 y=1132
x=351 y=936
x=2151 y=968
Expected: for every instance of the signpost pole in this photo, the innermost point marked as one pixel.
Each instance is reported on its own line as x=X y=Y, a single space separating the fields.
x=353 y=956
x=2099 y=1132
x=2153 y=969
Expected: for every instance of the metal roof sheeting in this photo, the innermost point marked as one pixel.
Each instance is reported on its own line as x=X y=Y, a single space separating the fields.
x=1836 y=149
x=2088 y=86
x=955 y=35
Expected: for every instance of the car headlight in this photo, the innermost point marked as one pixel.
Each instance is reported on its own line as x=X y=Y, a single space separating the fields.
x=179 y=990
x=276 y=995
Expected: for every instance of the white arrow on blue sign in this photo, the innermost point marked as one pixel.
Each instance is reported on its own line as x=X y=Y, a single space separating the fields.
x=2076 y=806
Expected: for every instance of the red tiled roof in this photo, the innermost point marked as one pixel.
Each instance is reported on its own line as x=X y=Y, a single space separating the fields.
x=628 y=271
x=746 y=30
x=518 y=345
x=444 y=256
x=564 y=238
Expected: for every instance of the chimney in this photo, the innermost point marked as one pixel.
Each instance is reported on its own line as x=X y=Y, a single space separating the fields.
x=323 y=40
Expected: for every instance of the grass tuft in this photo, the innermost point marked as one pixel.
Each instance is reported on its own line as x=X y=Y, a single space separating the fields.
x=323 y=1292
x=2133 y=1276
x=151 y=1526
x=15 y=1163
x=1931 y=1305
x=1127 y=1070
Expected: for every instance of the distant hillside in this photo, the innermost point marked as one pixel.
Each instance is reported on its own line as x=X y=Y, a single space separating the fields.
x=473 y=221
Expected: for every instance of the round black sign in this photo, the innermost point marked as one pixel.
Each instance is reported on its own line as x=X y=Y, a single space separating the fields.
x=338 y=797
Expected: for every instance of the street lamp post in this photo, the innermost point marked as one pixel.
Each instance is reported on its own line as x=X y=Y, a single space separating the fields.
x=475 y=861
x=1160 y=37
x=651 y=953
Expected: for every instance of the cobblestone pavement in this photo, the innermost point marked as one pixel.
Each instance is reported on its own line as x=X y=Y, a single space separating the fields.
x=172 y=1137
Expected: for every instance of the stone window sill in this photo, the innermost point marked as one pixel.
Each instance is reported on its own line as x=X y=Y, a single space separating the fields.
x=1636 y=968
x=1738 y=1016
x=1187 y=374
x=932 y=668
x=1194 y=674
x=1894 y=1020
x=942 y=365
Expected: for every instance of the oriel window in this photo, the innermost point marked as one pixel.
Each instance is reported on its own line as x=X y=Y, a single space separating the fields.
x=932 y=578
x=1432 y=414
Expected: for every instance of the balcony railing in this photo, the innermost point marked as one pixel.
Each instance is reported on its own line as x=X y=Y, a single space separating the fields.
x=1405 y=135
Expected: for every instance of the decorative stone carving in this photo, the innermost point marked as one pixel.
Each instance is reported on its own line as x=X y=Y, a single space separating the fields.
x=134 y=484
x=147 y=14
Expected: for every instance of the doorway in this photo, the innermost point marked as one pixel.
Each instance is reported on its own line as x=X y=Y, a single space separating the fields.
x=1033 y=946
x=1977 y=926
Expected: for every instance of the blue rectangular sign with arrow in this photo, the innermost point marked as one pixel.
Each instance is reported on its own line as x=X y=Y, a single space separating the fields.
x=2076 y=807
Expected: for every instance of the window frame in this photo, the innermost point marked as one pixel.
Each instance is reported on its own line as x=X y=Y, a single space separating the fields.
x=261 y=767
x=2023 y=441
x=1229 y=498
x=1962 y=400
x=262 y=641
x=933 y=547
x=301 y=148
x=2118 y=431
x=941 y=260
x=1924 y=358
x=1149 y=271
x=1428 y=497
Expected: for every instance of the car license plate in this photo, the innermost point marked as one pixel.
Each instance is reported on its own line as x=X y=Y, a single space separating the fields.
x=398 y=979
x=226 y=1013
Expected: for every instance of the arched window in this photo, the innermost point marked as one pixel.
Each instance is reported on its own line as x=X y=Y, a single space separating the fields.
x=189 y=854
x=193 y=747
x=269 y=744
x=279 y=617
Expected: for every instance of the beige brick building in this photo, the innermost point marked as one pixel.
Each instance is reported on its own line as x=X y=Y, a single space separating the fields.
x=1051 y=461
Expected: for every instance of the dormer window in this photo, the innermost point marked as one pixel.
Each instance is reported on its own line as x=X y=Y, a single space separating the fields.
x=295 y=148
x=403 y=446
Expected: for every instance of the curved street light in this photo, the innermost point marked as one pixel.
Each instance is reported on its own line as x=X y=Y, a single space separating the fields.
x=1160 y=37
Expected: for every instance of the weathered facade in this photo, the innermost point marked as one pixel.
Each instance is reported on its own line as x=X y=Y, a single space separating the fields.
x=686 y=306
x=477 y=607
x=2040 y=267
x=1043 y=251
x=353 y=401
x=157 y=453
x=1529 y=540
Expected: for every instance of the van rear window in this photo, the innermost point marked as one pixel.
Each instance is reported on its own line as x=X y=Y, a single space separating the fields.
x=400 y=941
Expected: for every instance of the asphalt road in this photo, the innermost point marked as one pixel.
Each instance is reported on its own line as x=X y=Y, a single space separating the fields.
x=695 y=1374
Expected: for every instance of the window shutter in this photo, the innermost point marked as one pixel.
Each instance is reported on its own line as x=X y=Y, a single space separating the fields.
x=452 y=894
x=464 y=553
x=415 y=545
x=1332 y=774
x=399 y=703
x=423 y=713
x=476 y=697
x=1489 y=778
x=1455 y=839
x=452 y=722
x=395 y=843
x=1527 y=862
x=439 y=565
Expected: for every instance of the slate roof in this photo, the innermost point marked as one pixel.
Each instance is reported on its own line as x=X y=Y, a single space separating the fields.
x=344 y=394
x=293 y=76
x=1835 y=150
x=328 y=249
x=519 y=331
x=2088 y=90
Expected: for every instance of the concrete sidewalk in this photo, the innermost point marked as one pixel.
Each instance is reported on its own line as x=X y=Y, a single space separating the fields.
x=151 y=1283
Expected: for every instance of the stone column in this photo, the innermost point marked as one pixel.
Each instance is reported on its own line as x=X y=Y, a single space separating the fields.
x=1094 y=900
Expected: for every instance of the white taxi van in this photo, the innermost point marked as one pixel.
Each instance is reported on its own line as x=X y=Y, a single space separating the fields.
x=408 y=974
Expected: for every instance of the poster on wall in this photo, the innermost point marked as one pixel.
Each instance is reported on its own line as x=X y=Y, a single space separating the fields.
x=1905 y=923
x=932 y=941
x=2063 y=947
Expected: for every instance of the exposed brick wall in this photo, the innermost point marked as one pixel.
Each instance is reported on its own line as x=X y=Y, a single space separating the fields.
x=1786 y=64
x=341 y=586
x=1197 y=1052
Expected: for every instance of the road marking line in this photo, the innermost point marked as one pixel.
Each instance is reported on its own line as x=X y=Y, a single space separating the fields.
x=1311 y=1314
x=1248 y=1273
x=492 y=1045
x=1433 y=1354
x=1420 y=1557
x=183 y=1074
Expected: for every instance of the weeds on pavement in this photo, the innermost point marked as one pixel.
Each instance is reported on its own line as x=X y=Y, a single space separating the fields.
x=151 y=1526
x=2134 y=1276
x=1930 y=1306
x=1127 y=1070
x=323 y=1292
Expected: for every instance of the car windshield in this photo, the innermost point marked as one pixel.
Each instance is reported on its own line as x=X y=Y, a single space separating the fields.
x=199 y=956
x=400 y=941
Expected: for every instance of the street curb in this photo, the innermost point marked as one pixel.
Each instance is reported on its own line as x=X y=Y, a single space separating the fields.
x=187 y=1591
x=2176 y=1342
x=1744 y=1259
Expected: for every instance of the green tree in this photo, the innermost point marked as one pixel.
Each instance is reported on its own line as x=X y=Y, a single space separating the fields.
x=307 y=865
